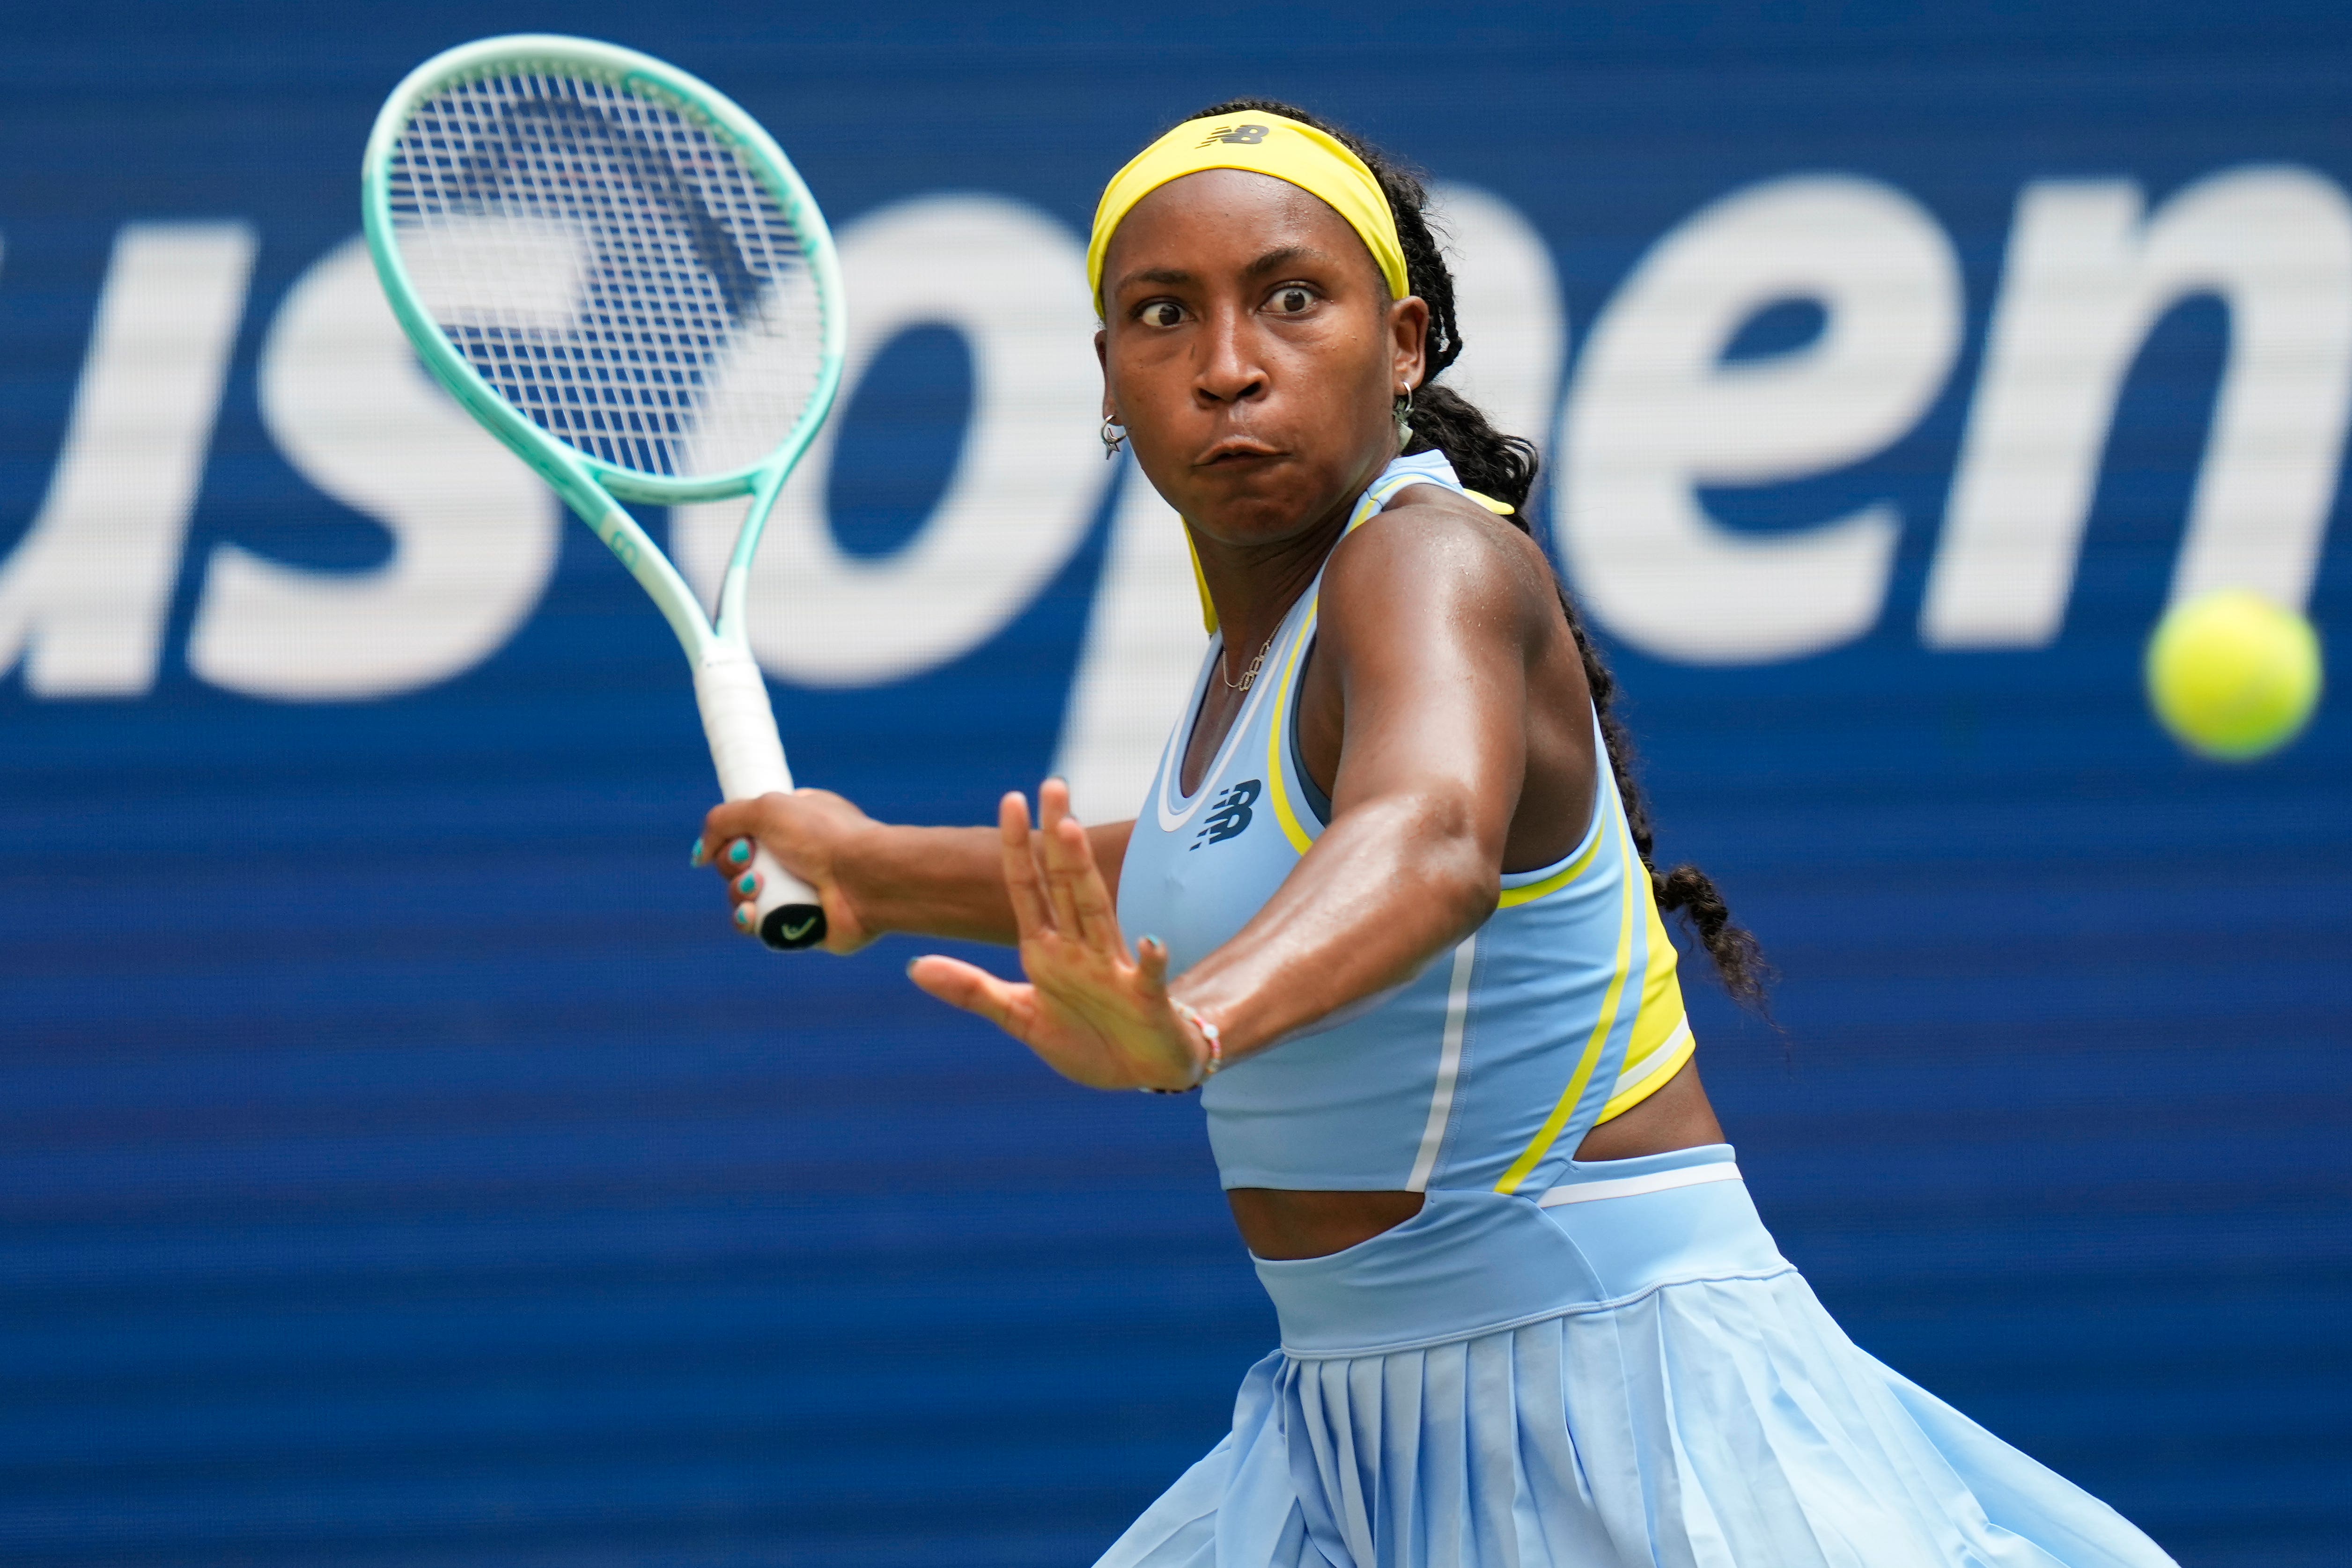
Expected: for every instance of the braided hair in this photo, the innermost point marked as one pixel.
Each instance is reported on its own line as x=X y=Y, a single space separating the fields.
x=1504 y=467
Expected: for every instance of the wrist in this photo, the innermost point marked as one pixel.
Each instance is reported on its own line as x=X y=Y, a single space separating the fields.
x=1210 y=1056
x=1207 y=1043
x=857 y=872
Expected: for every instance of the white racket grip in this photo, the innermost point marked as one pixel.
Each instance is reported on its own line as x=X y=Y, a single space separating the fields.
x=742 y=728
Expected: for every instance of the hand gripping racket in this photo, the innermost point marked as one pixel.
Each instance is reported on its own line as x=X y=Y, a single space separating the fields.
x=618 y=272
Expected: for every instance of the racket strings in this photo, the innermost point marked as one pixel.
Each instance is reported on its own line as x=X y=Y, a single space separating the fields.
x=616 y=272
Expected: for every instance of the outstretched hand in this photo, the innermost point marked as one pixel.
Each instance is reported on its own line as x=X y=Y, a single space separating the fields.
x=1096 y=1013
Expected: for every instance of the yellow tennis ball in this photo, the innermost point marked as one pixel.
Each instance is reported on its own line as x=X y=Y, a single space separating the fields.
x=2232 y=674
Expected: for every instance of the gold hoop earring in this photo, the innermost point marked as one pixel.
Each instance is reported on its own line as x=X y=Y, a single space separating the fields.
x=1112 y=443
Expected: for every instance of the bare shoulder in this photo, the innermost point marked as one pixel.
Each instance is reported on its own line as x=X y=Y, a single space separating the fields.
x=1438 y=551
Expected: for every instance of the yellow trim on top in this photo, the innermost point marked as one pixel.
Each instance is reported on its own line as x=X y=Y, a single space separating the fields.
x=1280 y=730
x=1662 y=1020
x=1514 y=896
x=1375 y=500
x=1652 y=1080
x=1500 y=508
x=1200 y=583
x=1602 y=1027
x=1283 y=813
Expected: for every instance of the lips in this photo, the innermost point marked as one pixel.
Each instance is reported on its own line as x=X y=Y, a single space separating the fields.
x=1237 y=449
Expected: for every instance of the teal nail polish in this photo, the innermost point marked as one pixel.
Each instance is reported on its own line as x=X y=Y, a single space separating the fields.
x=740 y=851
x=743 y=916
x=748 y=883
x=701 y=856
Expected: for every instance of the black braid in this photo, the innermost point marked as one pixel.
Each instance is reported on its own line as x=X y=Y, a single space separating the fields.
x=1504 y=467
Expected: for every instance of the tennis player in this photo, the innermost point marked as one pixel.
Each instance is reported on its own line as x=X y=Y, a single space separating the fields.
x=1396 y=919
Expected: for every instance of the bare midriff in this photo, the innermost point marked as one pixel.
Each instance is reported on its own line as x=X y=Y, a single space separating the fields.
x=1279 y=1223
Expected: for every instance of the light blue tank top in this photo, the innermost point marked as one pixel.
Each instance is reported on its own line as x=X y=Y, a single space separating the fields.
x=1486 y=1070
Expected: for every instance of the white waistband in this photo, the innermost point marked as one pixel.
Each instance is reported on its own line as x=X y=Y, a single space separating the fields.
x=1629 y=1187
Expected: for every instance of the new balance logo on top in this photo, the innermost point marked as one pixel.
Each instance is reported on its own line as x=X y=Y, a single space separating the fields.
x=1229 y=814
x=1238 y=135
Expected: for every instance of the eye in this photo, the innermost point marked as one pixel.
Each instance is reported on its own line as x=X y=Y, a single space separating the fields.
x=1291 y=299
x=1160 y=313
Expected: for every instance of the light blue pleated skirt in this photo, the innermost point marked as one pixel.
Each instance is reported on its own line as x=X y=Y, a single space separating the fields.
x=1631 y=1376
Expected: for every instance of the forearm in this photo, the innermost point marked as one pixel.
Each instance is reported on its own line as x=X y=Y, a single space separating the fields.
x=944 y=882
x=1338 y=931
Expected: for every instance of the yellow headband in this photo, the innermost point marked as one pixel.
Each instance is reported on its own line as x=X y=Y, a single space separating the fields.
x=1299 y=154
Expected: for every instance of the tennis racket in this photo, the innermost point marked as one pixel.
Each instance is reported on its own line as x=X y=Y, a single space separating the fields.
x=620 y=275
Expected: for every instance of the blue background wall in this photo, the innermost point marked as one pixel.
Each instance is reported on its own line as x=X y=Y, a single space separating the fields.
x=400 y=1162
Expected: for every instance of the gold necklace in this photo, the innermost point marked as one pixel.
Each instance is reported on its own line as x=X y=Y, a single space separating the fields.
x=1249 y=676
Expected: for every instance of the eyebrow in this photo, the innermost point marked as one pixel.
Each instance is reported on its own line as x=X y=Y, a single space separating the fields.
x=1282 y=256
x=1170 y=275
x=1274 y=260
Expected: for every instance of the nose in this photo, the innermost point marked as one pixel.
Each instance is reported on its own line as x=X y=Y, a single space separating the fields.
x=1231 y=371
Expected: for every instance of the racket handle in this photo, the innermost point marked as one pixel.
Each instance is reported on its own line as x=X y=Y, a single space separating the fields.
x=742 y=728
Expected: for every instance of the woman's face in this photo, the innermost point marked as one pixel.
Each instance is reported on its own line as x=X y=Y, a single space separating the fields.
x=1252 y=351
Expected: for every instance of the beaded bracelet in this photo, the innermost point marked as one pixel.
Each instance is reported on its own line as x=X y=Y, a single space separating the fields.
x=1216 y=1057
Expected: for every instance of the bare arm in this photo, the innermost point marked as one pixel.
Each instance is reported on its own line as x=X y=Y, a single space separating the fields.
x=1434 y=641
x=876 y=878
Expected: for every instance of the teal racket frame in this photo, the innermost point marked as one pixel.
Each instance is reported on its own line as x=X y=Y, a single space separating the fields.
x=587 y=484
x=728 y=688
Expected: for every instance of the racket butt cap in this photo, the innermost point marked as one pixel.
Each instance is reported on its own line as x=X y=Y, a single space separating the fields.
x=789 y=927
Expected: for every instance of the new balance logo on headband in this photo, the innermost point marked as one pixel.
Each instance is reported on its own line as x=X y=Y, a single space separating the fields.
x=1239 y=135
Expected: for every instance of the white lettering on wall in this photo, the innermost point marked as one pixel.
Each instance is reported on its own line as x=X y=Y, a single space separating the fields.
x=1029 y=479
x=1142 y=650
x=1506 y=301
x=474 y=531
x=84 y=597
x=2089 y=272
x=1655 y=413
